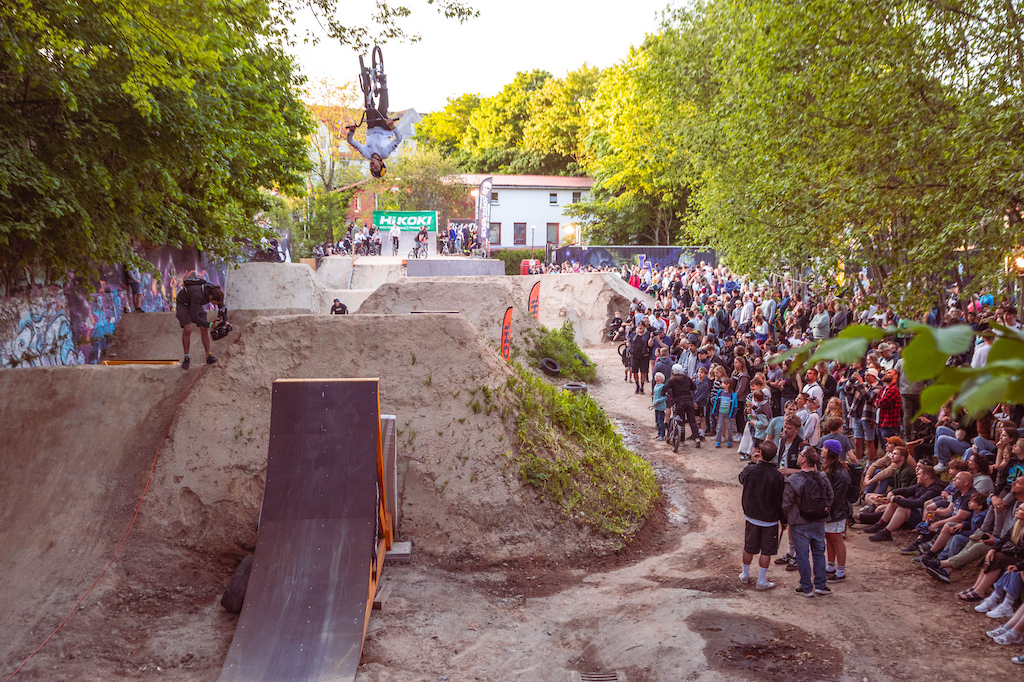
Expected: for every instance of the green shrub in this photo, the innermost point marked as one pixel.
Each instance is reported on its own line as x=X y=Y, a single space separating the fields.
x=512 y=258
x=569 y=450
x=561 y=347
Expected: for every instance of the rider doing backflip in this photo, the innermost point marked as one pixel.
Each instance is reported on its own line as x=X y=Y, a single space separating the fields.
x=381 y=136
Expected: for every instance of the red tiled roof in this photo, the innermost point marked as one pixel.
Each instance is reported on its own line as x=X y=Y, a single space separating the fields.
x=529 y=181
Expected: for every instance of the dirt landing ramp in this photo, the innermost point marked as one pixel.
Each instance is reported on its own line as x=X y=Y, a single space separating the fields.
x=157 y=336
x=320 y=544
x=77 y=445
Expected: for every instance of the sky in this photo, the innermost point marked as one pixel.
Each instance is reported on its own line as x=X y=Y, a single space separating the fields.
x=483 y=54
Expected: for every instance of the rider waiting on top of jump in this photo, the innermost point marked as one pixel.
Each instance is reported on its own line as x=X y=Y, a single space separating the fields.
x=190 y=306
x=381 y=136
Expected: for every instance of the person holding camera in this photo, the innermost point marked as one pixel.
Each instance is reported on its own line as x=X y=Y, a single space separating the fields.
x=190 y=308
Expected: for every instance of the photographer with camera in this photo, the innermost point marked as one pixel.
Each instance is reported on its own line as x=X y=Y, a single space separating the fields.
x=190 y=304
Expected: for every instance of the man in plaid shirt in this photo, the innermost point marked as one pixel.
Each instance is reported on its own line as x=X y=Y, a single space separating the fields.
x=890 y=410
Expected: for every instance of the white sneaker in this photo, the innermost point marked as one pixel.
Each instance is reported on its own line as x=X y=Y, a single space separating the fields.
x=998 y=631
x=939 y=468
x=990 y=602
x=744 y=579
x=1009 y=637
x=1004 y=610
x=767 y=585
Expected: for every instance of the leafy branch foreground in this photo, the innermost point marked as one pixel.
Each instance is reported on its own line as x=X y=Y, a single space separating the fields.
x=569 y=450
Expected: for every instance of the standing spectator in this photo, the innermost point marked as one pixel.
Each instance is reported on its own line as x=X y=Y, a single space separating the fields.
x=862 y=394
x=724 y=408
x=835 y=528
x=889 y=405
x=641 y=356
x=762 y=508
x=741 y=384
x=910 y=395
x=820 y=325
x=658 y=404
x=806 y=501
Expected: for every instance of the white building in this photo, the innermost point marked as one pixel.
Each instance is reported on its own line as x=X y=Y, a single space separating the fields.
x=528 y=211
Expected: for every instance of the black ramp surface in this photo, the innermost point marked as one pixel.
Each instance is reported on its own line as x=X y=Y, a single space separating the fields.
x=306 y=606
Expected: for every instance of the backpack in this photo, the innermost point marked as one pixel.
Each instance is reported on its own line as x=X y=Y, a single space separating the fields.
x=853 y=492
x=813 y=500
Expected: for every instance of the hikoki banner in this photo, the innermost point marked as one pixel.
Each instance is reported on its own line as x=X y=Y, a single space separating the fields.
x=407 y=221
x=506 y=335
x=533 y=302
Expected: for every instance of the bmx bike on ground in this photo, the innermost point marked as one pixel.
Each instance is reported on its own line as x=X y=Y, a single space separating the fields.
x=419 y=252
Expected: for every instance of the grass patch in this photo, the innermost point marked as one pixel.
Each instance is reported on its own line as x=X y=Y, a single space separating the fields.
x=560 y=346
x=569 y=450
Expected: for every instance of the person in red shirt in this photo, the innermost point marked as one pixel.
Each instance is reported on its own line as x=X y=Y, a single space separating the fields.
x=889 y=404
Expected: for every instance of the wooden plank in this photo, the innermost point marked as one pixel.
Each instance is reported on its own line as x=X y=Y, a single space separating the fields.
x=383 y=592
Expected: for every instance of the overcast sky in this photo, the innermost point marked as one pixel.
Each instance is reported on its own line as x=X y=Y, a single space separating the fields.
x=484 y=54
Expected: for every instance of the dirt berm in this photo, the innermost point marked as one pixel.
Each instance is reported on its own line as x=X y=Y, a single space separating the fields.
x=588 y=300
x=461 y=495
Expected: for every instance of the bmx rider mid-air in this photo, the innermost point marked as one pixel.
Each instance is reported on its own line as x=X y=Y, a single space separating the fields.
x=381 y=136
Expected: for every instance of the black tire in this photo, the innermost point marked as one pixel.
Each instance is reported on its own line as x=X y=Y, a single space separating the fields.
x=550 y=367
x=377 y=59
x=583 y=360
x=674 y=436
x=623 y=348
x=574 y=387
x=234 y=595
x=364 y=77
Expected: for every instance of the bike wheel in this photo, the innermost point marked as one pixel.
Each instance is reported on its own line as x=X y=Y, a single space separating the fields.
x=377 y=59
x=365 y=83
x=675 y=437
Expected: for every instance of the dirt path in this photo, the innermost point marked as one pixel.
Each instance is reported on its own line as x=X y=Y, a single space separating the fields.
x=680 y=614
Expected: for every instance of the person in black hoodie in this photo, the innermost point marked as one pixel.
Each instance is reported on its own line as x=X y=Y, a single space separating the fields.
x=839 y=477
x=679 y=392
x=762 y=507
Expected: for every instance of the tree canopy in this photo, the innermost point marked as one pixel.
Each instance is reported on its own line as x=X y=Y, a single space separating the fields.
x=149 y=122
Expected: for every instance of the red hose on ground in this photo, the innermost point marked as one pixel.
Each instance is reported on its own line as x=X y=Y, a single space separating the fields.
x=149 y=478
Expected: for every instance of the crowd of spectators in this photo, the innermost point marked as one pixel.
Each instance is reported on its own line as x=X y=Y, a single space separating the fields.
x=836 y=445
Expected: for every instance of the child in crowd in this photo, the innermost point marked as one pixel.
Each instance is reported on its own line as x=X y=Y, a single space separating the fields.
x=725 y=409
x=702 y=398
x=658 y=402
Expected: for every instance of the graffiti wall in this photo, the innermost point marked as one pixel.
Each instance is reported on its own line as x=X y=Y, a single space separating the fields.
x=49 y=323
x=617 y=256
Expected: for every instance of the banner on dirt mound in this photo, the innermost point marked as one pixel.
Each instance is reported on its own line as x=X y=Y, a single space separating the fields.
x=506 y=335
x=533 y=303
x=407 y=221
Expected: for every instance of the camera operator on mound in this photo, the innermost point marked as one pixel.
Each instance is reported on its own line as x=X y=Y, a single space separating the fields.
x=190 y=306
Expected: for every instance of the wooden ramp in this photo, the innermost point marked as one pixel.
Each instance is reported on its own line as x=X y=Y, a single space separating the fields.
x=323 y=534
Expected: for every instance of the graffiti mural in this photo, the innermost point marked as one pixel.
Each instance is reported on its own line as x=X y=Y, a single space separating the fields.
x=43 y=323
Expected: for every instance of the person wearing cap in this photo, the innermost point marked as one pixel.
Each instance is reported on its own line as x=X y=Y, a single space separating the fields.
x=339 y=308
x=885 y=358
x=904 y=505
x=862 y=394
x=838 y=474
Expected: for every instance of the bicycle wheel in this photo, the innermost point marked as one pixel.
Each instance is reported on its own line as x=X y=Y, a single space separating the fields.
x=676 y=433
x=377 y=59
x=364 y=77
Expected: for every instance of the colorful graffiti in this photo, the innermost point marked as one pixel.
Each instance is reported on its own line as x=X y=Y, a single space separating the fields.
x=42 y=323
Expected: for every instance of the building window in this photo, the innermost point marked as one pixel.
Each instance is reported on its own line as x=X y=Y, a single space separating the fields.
x=576 y=196
x=552 y=233
x=359 y=203
x=494 y=233
x=494 y=198
x=519 y=233
x=553 y=198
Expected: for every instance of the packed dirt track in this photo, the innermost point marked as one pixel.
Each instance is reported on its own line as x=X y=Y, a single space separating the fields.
x=502 y=586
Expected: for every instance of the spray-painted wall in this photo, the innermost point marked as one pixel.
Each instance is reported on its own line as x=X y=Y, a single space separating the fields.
x=44 y=322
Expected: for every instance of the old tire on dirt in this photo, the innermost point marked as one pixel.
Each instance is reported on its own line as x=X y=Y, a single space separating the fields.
x=234 y=595
x=550 y=367
x=574 y=387
x=583 y=360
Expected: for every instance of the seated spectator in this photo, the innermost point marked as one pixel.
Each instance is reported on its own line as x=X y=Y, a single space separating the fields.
x=903 y=505
x=998 y=521
x=1011 y=467
x=885 y=472
x=942 y=521
x=1006 y=555
x=979 y=468
x=1012 y=632
x=961 y=536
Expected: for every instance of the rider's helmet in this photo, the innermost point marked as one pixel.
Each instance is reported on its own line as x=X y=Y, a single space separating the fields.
x=677 y=369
